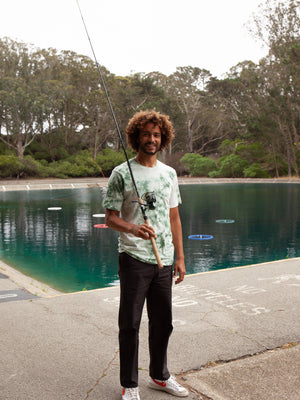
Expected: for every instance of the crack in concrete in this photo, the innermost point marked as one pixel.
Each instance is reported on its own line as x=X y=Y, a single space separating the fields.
x=199 y=395
x=103 y=375
x=233 y=331
x=86 y=319
x=211 y=364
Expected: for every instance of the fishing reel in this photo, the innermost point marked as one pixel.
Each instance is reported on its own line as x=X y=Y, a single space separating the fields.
x=148 y=200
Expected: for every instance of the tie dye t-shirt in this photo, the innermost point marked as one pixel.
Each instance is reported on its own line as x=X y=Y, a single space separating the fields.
x=121 y=196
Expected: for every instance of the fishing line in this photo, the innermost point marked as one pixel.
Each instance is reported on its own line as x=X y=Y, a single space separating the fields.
x=142 y=206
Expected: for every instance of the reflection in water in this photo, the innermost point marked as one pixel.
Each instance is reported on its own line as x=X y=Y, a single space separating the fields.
x=63 y=249
x=266 y=224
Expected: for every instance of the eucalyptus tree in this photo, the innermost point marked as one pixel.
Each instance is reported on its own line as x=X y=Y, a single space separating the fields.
x=170 y=106
x=21 y=101
x=278 y=26
x=186 y=85
x=98 y=130
x=132 y=93
x=74 y=80
x=200 y=124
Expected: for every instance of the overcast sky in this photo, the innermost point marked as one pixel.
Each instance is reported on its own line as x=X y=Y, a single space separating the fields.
x=140 y=36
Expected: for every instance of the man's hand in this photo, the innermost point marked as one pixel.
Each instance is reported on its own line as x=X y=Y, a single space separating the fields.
x=143 y=231
x=179 y=268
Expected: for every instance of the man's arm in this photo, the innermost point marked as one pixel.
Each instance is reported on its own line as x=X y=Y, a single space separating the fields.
x=113 y=220
x=176 y=230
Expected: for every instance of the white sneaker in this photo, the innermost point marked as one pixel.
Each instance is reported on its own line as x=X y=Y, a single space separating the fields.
x=130 y=394
x=171 y=386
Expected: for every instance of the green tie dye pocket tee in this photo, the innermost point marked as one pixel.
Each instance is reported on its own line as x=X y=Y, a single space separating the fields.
x=121 y=196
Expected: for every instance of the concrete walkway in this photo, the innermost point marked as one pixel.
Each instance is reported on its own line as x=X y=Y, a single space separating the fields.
x=77 y=183
x=236 y=337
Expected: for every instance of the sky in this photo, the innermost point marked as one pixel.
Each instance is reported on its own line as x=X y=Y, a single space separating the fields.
x=131 y=36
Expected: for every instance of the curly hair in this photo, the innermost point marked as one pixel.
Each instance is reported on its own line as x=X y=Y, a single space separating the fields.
x=140 y=119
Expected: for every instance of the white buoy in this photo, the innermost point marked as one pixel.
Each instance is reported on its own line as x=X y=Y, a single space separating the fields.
x=99 y=215
x=54 y=208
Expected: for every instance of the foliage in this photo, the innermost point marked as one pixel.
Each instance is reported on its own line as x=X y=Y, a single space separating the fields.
x=12 y=167
x=198 y=165
x=189 y=159
x=53 y=109
x=50 y=147
x=231 y=166
x=255 y=171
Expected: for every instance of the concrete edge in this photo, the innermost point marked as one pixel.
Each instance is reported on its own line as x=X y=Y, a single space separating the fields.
x=41 y=289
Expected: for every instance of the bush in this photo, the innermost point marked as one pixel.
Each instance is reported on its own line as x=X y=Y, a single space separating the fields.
x=228 y=147
x=253 y=153
x=189 y=159
x=78 y=165
x=108 y=159
x=203 y=166
x=198 y=165
x=231 y=166
x=214 y=174
x=10 y=167
x=255 y=171
x=30 y=166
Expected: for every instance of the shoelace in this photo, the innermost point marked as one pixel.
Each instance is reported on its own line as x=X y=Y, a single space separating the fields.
x=174 y=384
x=132 y=393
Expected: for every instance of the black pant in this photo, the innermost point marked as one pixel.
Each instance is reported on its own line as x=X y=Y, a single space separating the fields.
x=140 y=281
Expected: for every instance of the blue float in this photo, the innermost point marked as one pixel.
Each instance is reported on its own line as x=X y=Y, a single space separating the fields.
x=200 y=237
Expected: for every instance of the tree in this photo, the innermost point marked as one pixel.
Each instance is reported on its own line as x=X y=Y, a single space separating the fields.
x=21 y=100
x=278 y=26
x=186 y=85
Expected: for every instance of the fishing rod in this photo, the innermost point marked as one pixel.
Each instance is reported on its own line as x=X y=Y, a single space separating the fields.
x=140 y=201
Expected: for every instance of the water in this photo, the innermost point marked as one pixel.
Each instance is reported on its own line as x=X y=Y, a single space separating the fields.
x=266 y=227
x=63 y=249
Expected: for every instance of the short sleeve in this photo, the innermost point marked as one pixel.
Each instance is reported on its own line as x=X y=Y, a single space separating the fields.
x=114 y=195
x=175 y=198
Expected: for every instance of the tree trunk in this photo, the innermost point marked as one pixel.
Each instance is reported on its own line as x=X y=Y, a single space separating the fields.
x=190 y=137
x=20 y=148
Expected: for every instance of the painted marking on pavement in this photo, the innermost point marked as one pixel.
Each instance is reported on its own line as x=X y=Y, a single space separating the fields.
x=191 y=296
x=15 y=295
x=283 y=279
x=6 y=296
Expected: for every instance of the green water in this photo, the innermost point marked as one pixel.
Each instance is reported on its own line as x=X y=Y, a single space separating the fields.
x=63 y=249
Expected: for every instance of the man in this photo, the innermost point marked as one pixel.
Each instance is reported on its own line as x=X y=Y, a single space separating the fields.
x=148 y=132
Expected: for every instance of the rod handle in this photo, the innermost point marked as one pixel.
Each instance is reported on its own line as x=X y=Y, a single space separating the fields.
x=155 y=250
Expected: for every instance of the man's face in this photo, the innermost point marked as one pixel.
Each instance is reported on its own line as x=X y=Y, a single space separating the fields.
x=150 y=139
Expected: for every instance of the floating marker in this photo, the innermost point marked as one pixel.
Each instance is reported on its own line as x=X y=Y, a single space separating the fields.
x=225 y=221
x=200 y=237
x=99 y=215
x=54 y=208
x=103 y=226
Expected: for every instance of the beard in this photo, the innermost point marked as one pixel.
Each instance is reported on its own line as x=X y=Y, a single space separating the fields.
x=149 y=149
